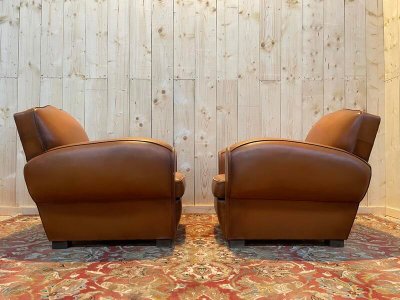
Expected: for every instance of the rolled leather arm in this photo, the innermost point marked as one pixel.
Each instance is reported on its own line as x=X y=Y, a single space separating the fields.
x=291 y=170
x=99 y=171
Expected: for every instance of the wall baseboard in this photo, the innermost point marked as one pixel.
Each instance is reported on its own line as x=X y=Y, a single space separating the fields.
x=206 y=209
x=375 y=210
x=393 y=212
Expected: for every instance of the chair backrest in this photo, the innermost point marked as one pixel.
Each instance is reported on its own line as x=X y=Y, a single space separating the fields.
x=350 y=130
x=44 y=128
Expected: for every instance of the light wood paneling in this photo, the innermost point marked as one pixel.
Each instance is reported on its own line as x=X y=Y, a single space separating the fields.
x=270 y=39
x=118 y=68
x=9 y=29
x=162 y=70
x=8 y=105
x=52 y=38
x=392 y=107
x=291 y=71
x=199 y=74
x=96 y=38
x=376 y=97
x=249 y=118
x=140 y=107
x=206 y=100
x=184 y=99
x=140 y=39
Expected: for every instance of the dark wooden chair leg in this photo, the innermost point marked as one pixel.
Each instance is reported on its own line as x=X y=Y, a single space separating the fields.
x=60 y=245
x=236 y=243
x=336 y=243
x=164 y=243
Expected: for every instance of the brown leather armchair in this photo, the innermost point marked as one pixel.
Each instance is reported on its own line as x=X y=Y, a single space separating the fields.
x=274 y=189
x=122 y=189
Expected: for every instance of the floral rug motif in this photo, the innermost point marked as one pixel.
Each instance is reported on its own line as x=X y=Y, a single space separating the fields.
x=200 y=266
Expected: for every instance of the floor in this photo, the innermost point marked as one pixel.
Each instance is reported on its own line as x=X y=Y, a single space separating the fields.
x=200 y=266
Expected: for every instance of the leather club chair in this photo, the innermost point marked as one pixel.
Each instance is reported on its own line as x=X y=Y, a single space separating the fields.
x=275 y=189
x=122 y=189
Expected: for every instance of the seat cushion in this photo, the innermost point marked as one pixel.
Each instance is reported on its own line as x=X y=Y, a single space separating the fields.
x=218 y=186
x=179 y=184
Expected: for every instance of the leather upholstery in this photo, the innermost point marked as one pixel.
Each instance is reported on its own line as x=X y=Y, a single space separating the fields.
x=218 y=186
x=284 y=189
x=44 y=128
x=350 y=130
x=102 y=190
x=180 y=184
x=221 y=161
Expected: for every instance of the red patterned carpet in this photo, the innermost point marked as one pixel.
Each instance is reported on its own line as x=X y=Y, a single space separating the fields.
x=200 y=266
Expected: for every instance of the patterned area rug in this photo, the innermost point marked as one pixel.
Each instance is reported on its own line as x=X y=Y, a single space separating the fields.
x=200 y=266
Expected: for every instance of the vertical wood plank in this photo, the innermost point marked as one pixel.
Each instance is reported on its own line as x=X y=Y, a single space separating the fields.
x=249 y=118
x=28 y=80
x=355 y=59
x=184 y=94
x=51 y=92
x=118 y=68
x=96 y=38
x=205 y=93
x=9 y=25
x=52 y=38
x=162 y=70
x=227 y=113
x=270 y=39
x=376 y=97
x=74 y=98
x=8 y=134
x=391 y=40
x=96 y=108
x=313 y=103
x=313 y=42
x=184 y=39
x=227 y=39
x=334 y=55
x=356 y=93
x=74 y=59
x=392 y=144
x=291 y=73
x=270 y=95
x=74 y=62
x=227 y=72
x=140 y=39
x=140 y=107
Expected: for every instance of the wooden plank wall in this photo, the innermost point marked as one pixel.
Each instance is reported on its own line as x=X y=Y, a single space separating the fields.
x=392 y=105
x=199 y=74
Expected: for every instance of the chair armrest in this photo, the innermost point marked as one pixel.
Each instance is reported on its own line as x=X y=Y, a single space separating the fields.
x=180 y=184
x=218 y=186
x=116 y=170
x=221 y=161
x=291 y=170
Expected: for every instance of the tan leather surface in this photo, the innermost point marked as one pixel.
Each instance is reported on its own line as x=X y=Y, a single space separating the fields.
x=101 y=190
x=95 y=172
x=180 y=184
x=218 y=186
x=292 y=220
x=44 y=128
x=221 y=161
x=220 y=209
x=283 y=189
x=350 y=130
x=290 y=170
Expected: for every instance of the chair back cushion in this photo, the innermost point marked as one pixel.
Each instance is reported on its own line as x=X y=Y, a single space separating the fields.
x=44 y=128
x=350 y=130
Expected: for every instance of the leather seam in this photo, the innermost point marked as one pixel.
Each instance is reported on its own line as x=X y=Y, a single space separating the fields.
x=302 y=143
x=44 y=149
x=107 y=141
